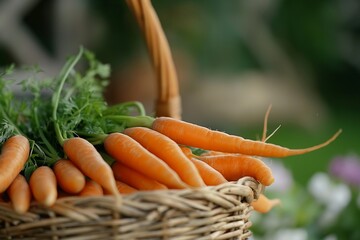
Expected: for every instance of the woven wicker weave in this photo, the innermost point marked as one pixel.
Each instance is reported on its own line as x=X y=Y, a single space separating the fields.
x=219 y=212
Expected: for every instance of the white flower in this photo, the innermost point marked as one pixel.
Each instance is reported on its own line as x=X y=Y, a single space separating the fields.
x=335 y=197
x=293 y=234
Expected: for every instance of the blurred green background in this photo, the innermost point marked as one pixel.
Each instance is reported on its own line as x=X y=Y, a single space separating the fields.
x=233 y=58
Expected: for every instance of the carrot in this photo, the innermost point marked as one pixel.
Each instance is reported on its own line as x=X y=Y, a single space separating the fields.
x=124 y=188
x=134 y=178
x=129 y=152
x=187 y=151
x=20 y=194
x=43 y=185
x=85 y=156
x=210 y=176
x=201 y=137
x=168 y=151
x=92 y=188
x=14 y=154
x=68 y=176
x=235 y=166
x=212 y=153
x=264 y=204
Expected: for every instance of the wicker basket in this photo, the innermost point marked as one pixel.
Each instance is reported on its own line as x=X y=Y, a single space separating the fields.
x=218 y=212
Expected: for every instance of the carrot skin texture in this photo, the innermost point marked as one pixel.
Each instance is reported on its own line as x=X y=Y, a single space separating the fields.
x=129 y=152
x=91 y=188
x=124 y=188
x=201 y=137
x=211 y=176
x=14 y=154
x=264 y=204
x=68 y=176
x=85 y=156
x=20 y=194
x=168 y=151
x=135 y=179
x=43 y=185
x=235 y=166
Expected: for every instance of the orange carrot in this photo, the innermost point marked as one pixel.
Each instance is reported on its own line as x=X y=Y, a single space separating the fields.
x=235 y=166
x=129 y=152
x=92 y=188
x=14 y=154
x=212 y=153
x=20 y=194
x=85 y=156
x=134 y=178
x=187 y=151
x=124 y=188
x=68 y=176
x=168 y=151
x=197 y=136
x=210 y=175
x=43 y=185
x=264 y=204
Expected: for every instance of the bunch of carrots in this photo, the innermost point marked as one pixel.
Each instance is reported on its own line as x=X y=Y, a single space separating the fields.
x=63 y=139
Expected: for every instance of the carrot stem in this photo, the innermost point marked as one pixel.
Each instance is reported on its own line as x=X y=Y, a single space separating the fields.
x=118 y=107
x=50 y=151
x=131 y=121
x=69 y=66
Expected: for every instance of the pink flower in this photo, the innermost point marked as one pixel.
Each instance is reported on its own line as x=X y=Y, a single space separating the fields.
x=346 y=168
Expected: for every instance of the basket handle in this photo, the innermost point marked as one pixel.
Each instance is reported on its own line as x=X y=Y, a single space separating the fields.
x=168 y=102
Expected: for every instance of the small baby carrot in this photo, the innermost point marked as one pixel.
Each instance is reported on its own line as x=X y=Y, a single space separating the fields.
x=210 y=175
x=68 y=176
x=91 y=188
x=86 y=157
x=264 y=204
x=235 y=166
x=43 y=185
x=135 y=179
x=20 y=194
x=124 y=188
x=14 y=154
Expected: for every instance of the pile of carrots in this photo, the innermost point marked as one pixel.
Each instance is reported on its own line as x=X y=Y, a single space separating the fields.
x=123 y=154
x=143 y=158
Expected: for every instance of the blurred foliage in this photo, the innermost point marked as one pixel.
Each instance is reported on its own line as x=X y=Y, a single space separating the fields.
x=320 y=35
x=312 y=33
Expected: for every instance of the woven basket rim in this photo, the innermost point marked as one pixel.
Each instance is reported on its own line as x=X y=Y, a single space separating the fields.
x=185 y=212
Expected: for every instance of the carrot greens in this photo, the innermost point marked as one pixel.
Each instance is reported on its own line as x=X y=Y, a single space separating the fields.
x=49 y=110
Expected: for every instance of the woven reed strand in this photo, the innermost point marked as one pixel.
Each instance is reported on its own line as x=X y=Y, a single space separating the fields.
x=168 y=102
x=219 y=212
